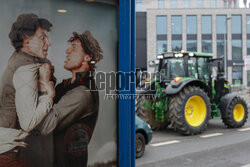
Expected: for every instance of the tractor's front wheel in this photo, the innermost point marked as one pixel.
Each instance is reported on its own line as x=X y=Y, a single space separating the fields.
x=236 y=114
x=190 y=110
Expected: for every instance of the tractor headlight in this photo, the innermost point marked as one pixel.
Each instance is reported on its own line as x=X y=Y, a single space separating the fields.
x=179 y=55
x=160 y=57
x=191 y=54
x=149 y=126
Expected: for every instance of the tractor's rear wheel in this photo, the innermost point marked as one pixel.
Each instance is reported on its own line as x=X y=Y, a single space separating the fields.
x=236 y=114
x=147 y=114
x=190 y=110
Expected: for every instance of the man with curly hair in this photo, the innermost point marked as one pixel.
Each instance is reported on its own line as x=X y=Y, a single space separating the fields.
x=78 y=101
x=21 y=106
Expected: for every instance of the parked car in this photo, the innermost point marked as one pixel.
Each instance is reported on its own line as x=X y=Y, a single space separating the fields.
x=143 y=136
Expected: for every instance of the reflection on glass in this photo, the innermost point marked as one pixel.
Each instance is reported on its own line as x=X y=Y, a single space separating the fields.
x=186 y=3
x=173 y=68
x=203 y=68
x=237 y=75
x=207 y=46
x=248 y=24
x=236 y=49
x=161 y=25
x=161 y=46
x=173 y=3
x=206 y=24
x=220 y=48
x=192 y=45
x=191 y=25
x=176 y=45
x=138 y=5
x=248 y=47
x=236 y=24
x=213 y=3
x=221 y=27
x=200 y=3
x=161 y=4
x=248 y=78
x=176 y=24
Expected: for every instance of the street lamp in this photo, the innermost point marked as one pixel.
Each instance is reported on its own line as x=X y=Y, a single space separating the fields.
x=225 y=48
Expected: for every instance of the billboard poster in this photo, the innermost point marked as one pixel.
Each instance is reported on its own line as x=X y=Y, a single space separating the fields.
x=55 y=65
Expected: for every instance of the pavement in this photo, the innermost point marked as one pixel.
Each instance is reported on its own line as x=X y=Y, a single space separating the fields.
x=218 y=146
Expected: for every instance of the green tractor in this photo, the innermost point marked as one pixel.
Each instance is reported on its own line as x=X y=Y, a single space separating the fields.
x=185 y=95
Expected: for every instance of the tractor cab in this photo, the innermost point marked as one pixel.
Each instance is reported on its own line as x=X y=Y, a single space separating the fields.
x=185 y=65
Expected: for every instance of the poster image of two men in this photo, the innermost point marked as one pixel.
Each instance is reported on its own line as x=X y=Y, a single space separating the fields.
x=52 y=112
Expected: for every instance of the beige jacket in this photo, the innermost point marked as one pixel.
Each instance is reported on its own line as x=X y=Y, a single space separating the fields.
x=21 y=109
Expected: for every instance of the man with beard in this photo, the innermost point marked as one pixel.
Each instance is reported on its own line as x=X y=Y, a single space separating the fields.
x=76 y=104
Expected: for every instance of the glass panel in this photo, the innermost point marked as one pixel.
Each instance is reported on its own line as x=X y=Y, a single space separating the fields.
x=176 y=24
x=192 y=68
x=248 y=47
x=200 y=3
x=161 y=25
x=173 y=68
x=191 y=25
x=248 y=24
x=207 y=46
x=161 y=46
x=248 y=78
x=213 y=4
x=192 y=45
x=237 y=75
x=236 y=24
x=187 y=3
x=221 y=26
x=220 y=48
x=203 y=68
x=206 y=24
x=236 y=49
x=138 y=5
x=173 y=3
x=161 y=4
x=176 y=45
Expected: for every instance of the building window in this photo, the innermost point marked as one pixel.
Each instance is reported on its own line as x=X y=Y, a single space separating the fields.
x=138 y=6
x=221 y=30
x=173 y=3
x=186 y=3
x=206 y=33
x=248 y=46
x=161 y=4
x=191 y=33
x=236 y=37
x=176 y=33
x=200 y=3
x=248 y=34
x=213 y=3
x=237 y=75
x=161 y=34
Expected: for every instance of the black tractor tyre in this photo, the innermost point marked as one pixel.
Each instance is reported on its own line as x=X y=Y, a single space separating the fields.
x=147 y=114
x=140 y=143
x=177 y=110
x=228 y=117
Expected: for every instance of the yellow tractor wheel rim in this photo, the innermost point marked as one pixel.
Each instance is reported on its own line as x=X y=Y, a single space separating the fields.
x=195 y=111
x=239 y=112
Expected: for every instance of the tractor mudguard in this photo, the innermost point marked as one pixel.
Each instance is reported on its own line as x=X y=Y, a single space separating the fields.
x=227 y=100
x=178 y=86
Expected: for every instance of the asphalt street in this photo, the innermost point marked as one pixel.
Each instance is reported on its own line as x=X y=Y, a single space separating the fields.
x=218 y=146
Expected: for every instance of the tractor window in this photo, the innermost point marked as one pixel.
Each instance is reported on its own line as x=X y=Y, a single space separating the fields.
x=192 y=67
x=173 y=67
x=203 y=68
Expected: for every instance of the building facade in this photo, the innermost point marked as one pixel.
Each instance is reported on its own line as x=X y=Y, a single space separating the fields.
x=220 y=27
